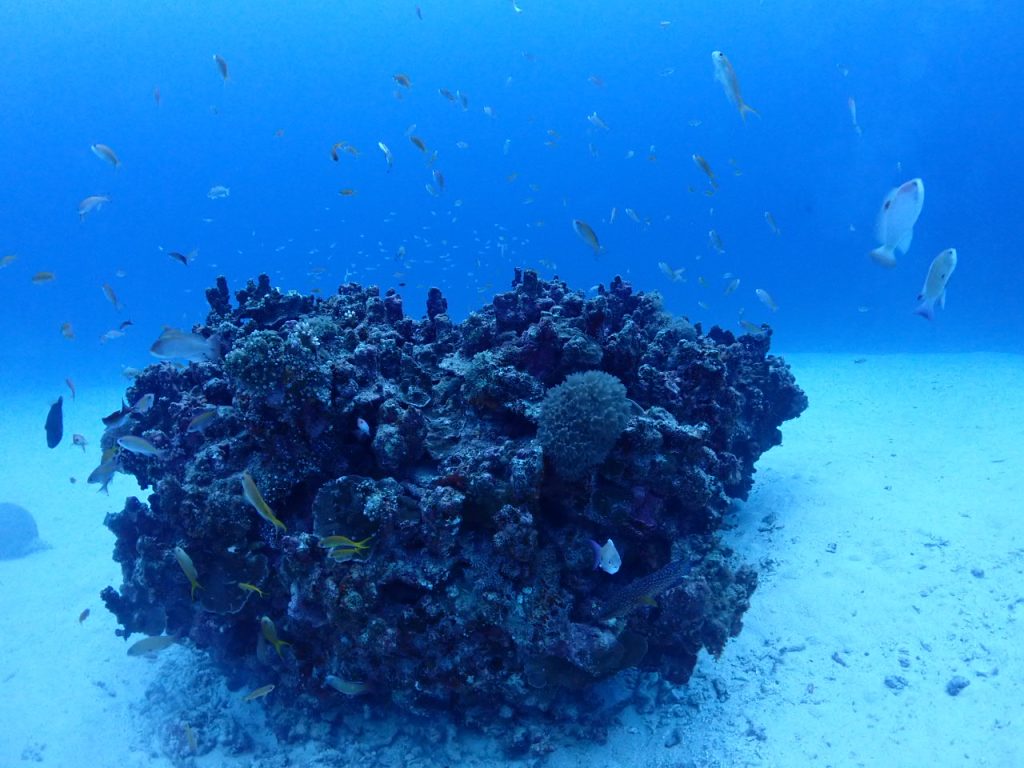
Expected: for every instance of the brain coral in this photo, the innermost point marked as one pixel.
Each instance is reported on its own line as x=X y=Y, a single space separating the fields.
x=580 y=420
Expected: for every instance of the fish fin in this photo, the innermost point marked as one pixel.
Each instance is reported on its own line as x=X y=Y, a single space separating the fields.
x=744 y=108
x=597 y=553
x=213 y=354
x=904 y=244
x=942 y=299
x=883 y=256
x=926 y=309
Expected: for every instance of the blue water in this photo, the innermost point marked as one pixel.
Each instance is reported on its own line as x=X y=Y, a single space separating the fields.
x=936 y=89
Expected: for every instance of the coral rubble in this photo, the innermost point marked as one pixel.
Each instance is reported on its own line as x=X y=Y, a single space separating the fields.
x=440 y=488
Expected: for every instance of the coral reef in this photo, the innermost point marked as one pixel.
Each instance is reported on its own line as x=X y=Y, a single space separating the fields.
x=438 y=485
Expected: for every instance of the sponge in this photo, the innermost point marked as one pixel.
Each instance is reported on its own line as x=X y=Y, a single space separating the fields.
x=580 y=420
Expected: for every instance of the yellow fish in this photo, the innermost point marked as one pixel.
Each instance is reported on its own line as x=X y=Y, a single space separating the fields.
x=190 y=570
x=270 y=634
x=344 y=541
x=253 y=496
x=247 y=587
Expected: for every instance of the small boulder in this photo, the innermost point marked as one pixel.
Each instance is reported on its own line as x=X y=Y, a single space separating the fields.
x=21 y=536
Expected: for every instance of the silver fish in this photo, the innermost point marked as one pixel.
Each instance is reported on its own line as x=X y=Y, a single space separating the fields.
x=103 y=152
x=726 y=75
x=173 y=343
x=587 y=234
x=934 y=290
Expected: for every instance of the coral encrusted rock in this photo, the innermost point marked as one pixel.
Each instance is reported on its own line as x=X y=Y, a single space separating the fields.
x=395 y=513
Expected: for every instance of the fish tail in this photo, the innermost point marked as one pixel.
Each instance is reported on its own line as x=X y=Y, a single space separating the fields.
x=744 y=108
x=926 y=309
x=884 y=256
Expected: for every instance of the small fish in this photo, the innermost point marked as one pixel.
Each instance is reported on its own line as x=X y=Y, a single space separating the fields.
x=104 y=473
x=489 y=111
x=173 y=343
x=55 y=423
x=111 y=335
x=726 y=75
x=896 y=219
x=463 y=100
x=418 y=143
x=108 y=291
x=334 y=151
x=595 y=81
x=402 y=79
x=79 y=440
x=771 y=222
x=71 y=386
x=103 y=152
x=347 y=192
x=362 y=429
x=90 y=204
x=255 y=498
x=438 y=179
x=203 y=419
x=156 y=94
x=587 y=235
x=347 y=687
x=148 y=646
x=633 y=215
x=606 y=557
x=675 y=275
x=222 y=67
x=117 y=418
x=750 y=327
x=388 y=157
x=446 y=93
x=515 y=7
x=183 y=258
x=140 y=446
x=331 y=542
x=852 y=106
x=83 y=615
x=595 y=120
x=8 y=259
x=218 y=192
x=346 y=554
x=247 y=587
x=39 y=278
x=189 y=569
x=270 y=635
x=731 y=287
x=716 y=241
x=934 y=289
x=144 y=403
x=67 y=331
x=419 y=13
x=766 y=299
x=703 y=164
x=259 y=693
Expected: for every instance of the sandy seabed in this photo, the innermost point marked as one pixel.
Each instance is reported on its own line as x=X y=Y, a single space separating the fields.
x=889 y=530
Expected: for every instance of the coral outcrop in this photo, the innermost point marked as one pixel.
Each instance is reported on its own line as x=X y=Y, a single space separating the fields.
x=437 y=557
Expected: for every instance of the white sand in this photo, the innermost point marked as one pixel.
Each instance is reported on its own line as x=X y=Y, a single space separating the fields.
x=908 y=467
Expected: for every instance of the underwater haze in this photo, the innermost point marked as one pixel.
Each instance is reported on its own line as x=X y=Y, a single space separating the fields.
x=934 y=87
